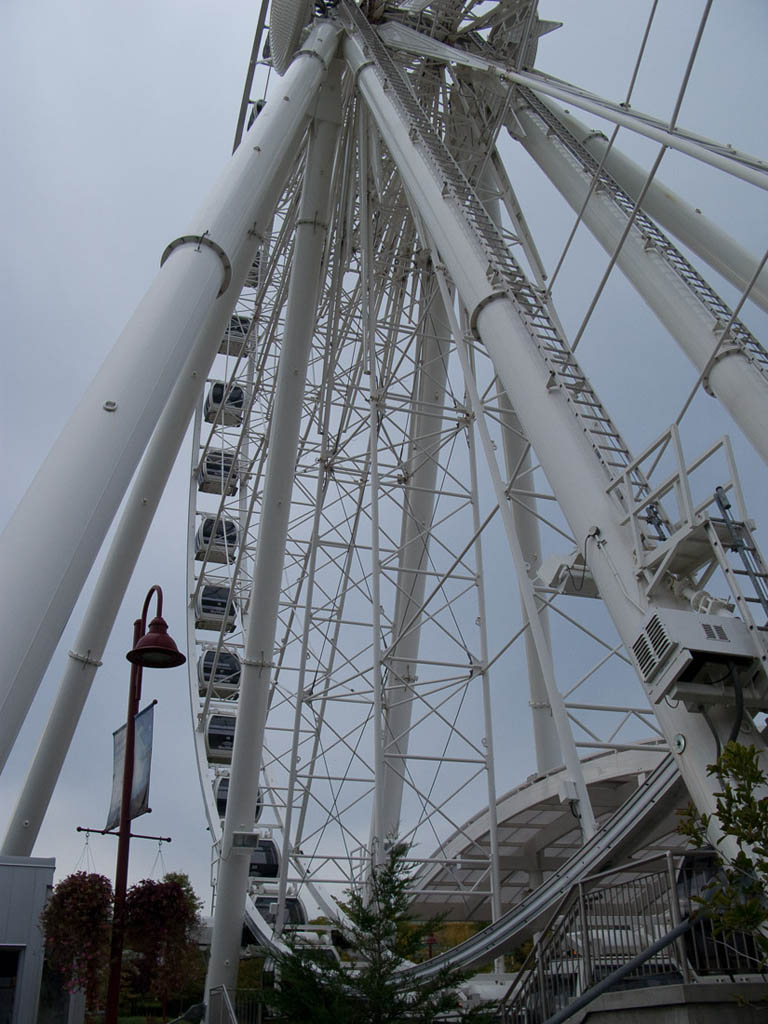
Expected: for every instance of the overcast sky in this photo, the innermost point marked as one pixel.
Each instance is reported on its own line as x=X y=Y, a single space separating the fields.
x=116 y=119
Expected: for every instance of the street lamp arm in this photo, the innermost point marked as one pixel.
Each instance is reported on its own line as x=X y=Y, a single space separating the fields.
x=159 y=611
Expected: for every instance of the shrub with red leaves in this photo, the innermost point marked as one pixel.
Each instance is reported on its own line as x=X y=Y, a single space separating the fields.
x=161 y=921
x=77 y=923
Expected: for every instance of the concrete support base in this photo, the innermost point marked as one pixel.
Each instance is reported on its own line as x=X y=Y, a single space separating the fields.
x=703 y=1003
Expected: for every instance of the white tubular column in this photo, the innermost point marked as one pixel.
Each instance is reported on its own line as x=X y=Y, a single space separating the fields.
x=740 y=165
x=369 y=307
x=517 y=458
x=135 y=521
x=418 y=508
x=735 y=380
x=49 y=545
x=518 y=464
x=563 y=449
x=256 y=675
x=490 y=755
x=715 y=246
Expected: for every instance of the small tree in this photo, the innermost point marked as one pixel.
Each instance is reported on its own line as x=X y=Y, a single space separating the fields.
x=371 y=990
x=737 y=899
x=77 y=923
x=161 y=921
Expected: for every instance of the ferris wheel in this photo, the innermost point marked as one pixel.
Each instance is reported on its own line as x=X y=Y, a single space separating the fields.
x=364 y=480
x=419 y=541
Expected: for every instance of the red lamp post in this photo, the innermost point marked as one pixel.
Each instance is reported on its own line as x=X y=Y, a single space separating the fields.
x=152 y=648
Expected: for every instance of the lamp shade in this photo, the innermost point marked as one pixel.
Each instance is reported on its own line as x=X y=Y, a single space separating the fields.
x=156 y=649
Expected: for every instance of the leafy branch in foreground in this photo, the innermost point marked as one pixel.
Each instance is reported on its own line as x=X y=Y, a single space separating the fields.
x=370 y=990
x=737 y=898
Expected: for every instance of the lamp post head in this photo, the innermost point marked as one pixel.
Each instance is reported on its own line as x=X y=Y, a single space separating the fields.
x=156 y=649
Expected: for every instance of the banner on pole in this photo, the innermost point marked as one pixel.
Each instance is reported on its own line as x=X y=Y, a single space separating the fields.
x=142 y=764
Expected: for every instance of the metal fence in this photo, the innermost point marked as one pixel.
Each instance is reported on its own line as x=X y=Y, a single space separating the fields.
x=242 y=1006
x=608 y=919
x=220 y=1008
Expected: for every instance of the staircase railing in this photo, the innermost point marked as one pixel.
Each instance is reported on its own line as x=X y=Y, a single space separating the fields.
x=623 y=918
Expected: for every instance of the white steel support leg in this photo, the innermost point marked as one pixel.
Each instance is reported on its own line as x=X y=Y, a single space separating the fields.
x=517 y=456
x=418 y=509
x=566 y=455
x=135 y=521
x=490 y=761
x=567 y=746
x=740 y=165
x=733 y=378
x=256 y=672
x=378 y=834
x=719 y=249
x=49 y=546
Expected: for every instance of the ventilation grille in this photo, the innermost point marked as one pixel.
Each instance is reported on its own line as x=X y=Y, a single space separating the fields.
x=715 y=632
x=652 y=647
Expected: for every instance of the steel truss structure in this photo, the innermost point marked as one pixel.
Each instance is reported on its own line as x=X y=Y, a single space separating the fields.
x=392 y=419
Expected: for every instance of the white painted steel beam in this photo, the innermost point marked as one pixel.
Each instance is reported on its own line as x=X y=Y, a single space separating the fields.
x=369 y=311
x=689 y=225
x=490 y=753
x=565 y=744
x=717 y=154
x=256 y=674
x=419 y=494
x=517 y=457
x=518 y=464
x=735 y=379
x=578 y=479
x=85 y=657
x=49 y=546
x=724 y=157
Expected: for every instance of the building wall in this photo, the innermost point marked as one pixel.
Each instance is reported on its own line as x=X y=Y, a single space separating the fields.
x=25 y=883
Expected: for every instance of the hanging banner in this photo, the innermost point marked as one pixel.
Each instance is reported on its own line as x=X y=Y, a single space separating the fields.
x=142 y=763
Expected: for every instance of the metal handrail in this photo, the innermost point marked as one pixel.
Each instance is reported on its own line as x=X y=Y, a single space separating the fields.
x=602 y=933
x=598 y=925
x=220 y=1009
x=660 y=790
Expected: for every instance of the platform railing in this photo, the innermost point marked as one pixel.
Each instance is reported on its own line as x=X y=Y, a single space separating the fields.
x=220 y=1008
x=608 y=920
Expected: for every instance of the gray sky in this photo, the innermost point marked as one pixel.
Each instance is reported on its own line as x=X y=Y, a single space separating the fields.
x=116 y=120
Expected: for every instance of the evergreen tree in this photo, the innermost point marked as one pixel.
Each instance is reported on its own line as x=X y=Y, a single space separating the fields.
x=370 y=988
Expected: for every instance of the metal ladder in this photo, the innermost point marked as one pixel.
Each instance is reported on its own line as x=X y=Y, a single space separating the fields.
x=729 y=537
x=503 y=272
x=653 y=237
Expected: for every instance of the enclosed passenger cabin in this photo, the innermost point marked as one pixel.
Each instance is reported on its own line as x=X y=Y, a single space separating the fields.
x=216 y=539
x=221 y=674
x=265 y=862
x=221 y=792
x=218 y=473
x=256 y=109
x=253 y=277
x=234 y=339
x=266 y=904
x=215 y=608
x=225 y=404
x=220 y=738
